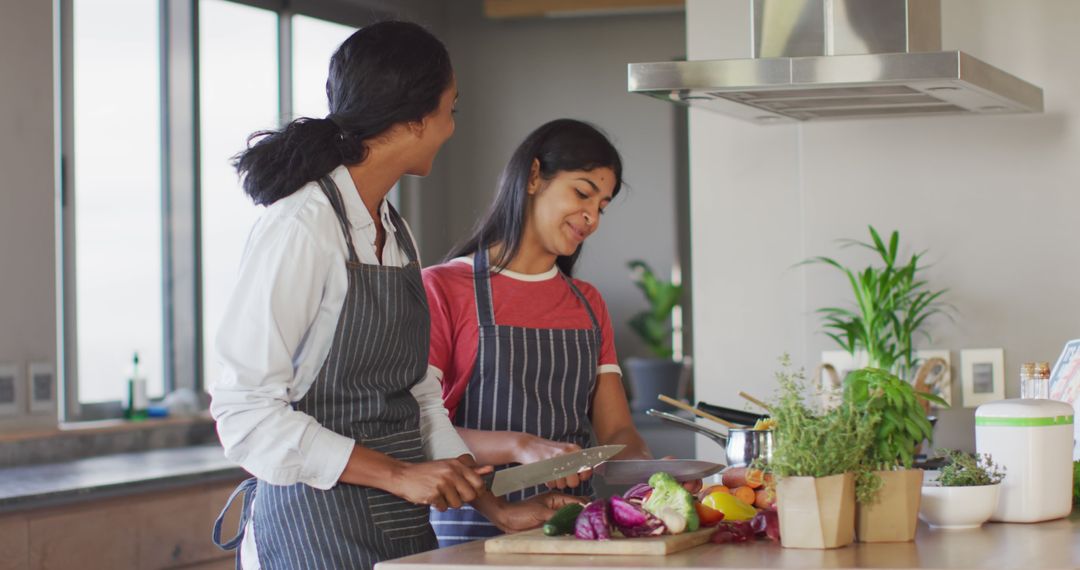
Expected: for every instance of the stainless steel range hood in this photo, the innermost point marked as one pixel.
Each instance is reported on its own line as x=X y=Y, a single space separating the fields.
x=834 y=59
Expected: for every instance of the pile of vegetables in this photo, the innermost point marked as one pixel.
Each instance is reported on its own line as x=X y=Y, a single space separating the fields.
x=664 y=506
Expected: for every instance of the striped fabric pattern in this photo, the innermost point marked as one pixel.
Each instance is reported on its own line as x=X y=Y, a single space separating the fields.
x=379 y=352
x=530 y=380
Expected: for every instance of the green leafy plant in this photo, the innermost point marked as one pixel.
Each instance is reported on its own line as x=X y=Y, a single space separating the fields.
x=969 y=470
x=1076 y=482
x=892 y=303
x=902 y=423
x=653 y=325
x=814 y=442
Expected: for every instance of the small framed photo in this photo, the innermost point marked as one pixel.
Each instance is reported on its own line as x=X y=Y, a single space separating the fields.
x=982 y=375
x=939 y=382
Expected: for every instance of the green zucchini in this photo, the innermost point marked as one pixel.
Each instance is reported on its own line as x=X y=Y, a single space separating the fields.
x=562 y=522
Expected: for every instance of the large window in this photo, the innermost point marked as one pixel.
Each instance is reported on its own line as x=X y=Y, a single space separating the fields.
x=158 y=98
x=117 y=195
x=314 y=41
x=238 y=94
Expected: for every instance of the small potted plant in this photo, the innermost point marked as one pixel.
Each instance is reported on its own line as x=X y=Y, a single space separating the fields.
x=965 y=494
x=819 y=461
x=902 y=425
x=659 y=374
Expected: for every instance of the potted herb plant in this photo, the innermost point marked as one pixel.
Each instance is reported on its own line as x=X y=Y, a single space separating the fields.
x=965 y=494
x=892 y=304
x=902 y=425
x=658 y=374
x=819 y=460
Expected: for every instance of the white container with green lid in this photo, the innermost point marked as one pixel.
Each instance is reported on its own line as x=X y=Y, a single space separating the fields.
x=1033 y=440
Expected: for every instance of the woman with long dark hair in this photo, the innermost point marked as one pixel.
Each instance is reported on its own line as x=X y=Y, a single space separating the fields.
x=324 y=396
x=525 y=351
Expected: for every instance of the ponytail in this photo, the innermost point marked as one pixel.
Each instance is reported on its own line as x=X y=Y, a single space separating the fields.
x=384 y=74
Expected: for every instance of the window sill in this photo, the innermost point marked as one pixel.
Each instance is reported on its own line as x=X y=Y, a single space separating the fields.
x=81 y=440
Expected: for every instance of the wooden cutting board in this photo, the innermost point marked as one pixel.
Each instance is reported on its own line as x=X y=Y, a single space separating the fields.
x=534 y=542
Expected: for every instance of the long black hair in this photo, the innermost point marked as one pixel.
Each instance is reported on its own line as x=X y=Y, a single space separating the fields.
x=386 y=73
x=559 y=146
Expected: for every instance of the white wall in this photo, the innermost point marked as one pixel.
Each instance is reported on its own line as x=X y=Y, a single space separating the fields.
x=515 y=75
x=994 y=199
x=27 y=242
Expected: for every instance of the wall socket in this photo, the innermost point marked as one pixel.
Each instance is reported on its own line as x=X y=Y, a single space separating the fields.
x=42 y=387
x=10 y=387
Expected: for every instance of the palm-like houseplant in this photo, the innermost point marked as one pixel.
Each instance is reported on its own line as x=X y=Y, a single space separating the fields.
x=892 y=303
x=650 y=377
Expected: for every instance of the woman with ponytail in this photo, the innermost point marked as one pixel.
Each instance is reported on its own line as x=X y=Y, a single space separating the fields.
x=324 y=396
x=524 y=351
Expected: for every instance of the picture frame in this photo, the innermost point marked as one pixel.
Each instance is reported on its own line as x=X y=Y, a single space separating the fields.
x=982 y=376
x=943 y=385
x=1065 y=384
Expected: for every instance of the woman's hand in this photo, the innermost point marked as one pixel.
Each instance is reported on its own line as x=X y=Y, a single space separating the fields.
x=443 y=484
x=532 y=512
x=531 y=448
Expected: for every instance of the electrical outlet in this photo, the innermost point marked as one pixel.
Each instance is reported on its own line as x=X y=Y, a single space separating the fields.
x=42 y=387
x=9 y=390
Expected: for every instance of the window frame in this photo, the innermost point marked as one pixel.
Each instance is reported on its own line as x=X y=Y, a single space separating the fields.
x=180 y=183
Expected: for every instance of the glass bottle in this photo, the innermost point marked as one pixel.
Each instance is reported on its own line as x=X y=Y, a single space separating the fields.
x=1035 y=380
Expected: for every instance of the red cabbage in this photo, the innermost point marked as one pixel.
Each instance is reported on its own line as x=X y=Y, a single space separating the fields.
x=637 y=491
x=633 y=521
x=593 y=523
x=733 y=531
x=767 y=522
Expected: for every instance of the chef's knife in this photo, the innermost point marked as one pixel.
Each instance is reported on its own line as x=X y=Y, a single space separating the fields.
x=634 y=471
x=532 y=474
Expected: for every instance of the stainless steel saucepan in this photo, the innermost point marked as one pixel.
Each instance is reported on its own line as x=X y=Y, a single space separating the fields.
x=742 y=446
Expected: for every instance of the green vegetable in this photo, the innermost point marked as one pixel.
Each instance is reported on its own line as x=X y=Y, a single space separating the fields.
x=562 y=522
x=903 y=424
x=669 y=501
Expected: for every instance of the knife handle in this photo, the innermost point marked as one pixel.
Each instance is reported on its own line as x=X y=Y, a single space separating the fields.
x=488 y=479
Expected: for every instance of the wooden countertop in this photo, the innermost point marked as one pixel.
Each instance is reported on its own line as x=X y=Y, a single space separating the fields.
x=1048 y=545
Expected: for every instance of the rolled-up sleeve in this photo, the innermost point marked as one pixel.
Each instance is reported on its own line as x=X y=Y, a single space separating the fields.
x=441 y=439
x=266 y=323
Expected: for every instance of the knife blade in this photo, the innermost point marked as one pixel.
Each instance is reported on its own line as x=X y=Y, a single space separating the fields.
x=633 y=471
x=532 y=474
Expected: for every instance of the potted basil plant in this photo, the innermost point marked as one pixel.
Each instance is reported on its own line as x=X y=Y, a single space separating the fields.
x=902 y=425
x=659 y=373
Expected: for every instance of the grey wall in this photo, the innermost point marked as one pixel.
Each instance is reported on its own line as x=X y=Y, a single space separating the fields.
x=27 y=242
x=994 y=199
x=515 y=75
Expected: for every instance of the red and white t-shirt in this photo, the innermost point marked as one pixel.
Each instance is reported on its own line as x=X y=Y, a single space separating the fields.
x=542 y=301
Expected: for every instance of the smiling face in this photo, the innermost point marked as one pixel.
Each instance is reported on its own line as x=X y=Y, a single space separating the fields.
x=565 y=209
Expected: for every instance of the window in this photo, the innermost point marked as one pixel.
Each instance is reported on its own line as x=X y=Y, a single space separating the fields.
x=117 y=195
x=155 y=220
x=314 y=41
x=238 y=95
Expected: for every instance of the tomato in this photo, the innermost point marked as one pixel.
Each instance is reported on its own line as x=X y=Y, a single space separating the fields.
x=733 y=508
x=708 y=516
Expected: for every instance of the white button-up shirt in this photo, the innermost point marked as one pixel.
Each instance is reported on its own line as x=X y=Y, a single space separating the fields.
x=277 y=330
x=276 y=333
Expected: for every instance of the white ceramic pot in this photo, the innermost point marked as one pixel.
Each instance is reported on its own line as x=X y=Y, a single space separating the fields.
x=958 y=507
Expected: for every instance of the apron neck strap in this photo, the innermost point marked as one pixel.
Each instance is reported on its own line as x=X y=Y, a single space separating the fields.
x=485 y=307
x=334 y=195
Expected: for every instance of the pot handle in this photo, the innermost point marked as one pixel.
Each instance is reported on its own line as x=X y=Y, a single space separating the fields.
x=690 y=425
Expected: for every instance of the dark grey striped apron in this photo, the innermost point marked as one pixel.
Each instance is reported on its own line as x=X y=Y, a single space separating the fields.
x=531 y=380
x=379 y=352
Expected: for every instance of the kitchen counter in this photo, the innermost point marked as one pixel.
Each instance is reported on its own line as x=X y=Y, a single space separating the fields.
x=55 y=484
x=1048 y=545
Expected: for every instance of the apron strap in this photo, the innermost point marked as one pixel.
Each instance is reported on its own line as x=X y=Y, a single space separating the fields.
x=404 y=238
x=581 y=297
x=485 y=307
x=334 y=195
x=247 y=488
